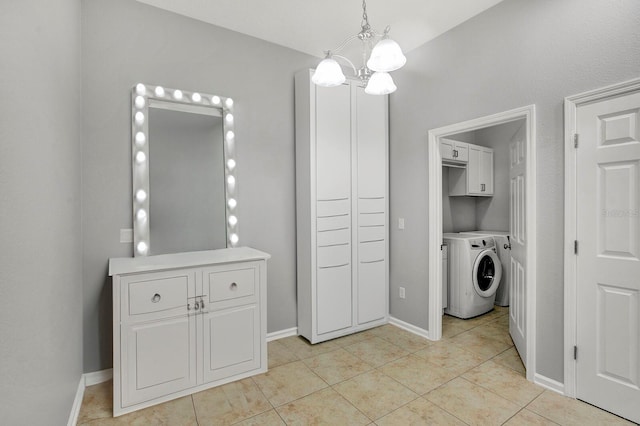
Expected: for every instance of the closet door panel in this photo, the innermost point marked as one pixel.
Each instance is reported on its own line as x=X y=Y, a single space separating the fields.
x=333 y=143
x=371 y=130
x=371 y=290
x=333 y=299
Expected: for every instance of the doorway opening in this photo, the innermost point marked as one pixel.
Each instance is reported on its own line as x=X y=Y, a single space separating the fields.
x=486 y=212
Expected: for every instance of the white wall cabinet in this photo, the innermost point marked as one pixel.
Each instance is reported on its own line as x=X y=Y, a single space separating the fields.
x=454 y=152
x=342 y=209
x=186 y=322
x=476 y=178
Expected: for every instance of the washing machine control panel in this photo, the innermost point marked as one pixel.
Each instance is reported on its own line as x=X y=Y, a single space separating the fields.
x=482 y=243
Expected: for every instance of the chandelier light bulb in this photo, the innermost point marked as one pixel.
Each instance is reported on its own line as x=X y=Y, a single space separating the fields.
x=328 y=74
x=380 y=83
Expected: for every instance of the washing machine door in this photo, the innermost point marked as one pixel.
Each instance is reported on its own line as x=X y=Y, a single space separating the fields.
x=487 y=272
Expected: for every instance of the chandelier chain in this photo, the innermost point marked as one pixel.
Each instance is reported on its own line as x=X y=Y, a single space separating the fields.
x=365 y=19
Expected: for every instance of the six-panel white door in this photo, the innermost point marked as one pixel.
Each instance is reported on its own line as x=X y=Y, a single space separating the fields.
x=608 y=262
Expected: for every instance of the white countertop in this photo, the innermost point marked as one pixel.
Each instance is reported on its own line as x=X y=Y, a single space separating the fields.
x=131 y=265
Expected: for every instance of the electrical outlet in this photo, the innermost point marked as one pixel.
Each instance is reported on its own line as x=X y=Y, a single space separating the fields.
x=401 y=223
x=126 y=235
x=401 y=292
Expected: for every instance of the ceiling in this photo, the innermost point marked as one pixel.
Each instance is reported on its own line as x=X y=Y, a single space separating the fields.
x=313 y=26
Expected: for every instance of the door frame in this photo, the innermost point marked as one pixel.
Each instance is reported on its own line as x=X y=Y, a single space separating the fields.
x=571 y=105
x=528 y=113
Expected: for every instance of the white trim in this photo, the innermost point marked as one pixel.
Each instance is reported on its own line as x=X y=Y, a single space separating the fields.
x=548 y=383
x=410 y=328
x=571 y=104
x=77 y=403
x=97 y=377
x=275 y=335
x=528 y=113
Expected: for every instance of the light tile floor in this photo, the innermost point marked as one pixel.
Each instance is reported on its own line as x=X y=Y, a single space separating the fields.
x=383 y=376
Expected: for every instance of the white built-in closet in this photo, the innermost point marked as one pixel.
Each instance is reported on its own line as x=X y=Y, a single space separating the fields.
x=342 y=209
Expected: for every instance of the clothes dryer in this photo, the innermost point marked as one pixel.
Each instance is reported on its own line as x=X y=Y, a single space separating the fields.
x=474 y=274
x=503 y=248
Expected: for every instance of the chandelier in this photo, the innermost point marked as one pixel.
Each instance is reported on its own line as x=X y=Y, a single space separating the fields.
x=378 y=61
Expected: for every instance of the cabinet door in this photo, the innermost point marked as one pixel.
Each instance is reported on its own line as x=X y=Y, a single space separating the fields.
x=487 y=171
x=461 y=152
x=370 y=257
x=474 y=175
x=231 y=342
x=158 y=358
x=446 y=149
x=333 y=143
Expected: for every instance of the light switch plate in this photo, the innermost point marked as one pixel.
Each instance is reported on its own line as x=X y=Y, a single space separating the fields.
x=401 y=223
x=126 y=235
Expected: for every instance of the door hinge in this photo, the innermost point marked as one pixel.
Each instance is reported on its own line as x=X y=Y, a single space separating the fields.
x=575 y=140
x=575 y=246
x=575 y=353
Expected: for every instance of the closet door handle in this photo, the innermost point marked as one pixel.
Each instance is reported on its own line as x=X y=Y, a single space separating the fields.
x=233 y=286
x=156 y=298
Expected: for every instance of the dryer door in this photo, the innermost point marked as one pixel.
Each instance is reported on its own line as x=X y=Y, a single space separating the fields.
x=487 y=272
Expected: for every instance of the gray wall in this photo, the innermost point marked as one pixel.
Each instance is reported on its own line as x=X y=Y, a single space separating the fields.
x=517 y=53
x=40 y=251
x=126 y=42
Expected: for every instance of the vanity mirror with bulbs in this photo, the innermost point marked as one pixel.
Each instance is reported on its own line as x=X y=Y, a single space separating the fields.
x=189 y=309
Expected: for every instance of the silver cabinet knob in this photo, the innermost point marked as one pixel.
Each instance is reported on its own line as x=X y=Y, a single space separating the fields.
x=201 y=304
x=156 y=298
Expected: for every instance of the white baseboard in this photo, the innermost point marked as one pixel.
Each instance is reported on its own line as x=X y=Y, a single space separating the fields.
x=77 y=403
x=548 y=383
x=409 y=327
x=97 y=377
x=293 y=331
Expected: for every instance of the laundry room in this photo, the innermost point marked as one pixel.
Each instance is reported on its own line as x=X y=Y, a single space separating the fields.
x=476 y=209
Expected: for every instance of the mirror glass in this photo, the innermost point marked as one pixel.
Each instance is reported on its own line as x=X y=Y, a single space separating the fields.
x=183 y=171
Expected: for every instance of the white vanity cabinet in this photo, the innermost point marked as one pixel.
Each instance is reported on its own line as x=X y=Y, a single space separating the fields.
x=342 y=209
x=186 y=322
x=476 y=178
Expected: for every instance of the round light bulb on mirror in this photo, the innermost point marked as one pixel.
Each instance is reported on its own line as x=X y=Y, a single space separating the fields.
x=231 y=164
x=177 y=94
x=139 y=117
x=229 y=118
x=229 y=102
x=234 y=238
x=141 y=195
x=233 y=220
x=230 y=135
x=142 y=247
x=141 y=157
x=231 y=180
x=141 y=215
x=215 y=100
x=140 y=139
x=140 y=89
x=232 y=203
x=159 y=91
x=196 y=97
x=139 y=102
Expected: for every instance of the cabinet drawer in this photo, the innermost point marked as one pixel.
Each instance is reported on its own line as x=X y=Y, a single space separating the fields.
x=374 y=251
x=333 y=208
x=331 y=238
x=329 y=257
x=230 y=284
x=334 y=223
x=372 y=205
x=371 y=233
x=149 y=294
x=372 y=219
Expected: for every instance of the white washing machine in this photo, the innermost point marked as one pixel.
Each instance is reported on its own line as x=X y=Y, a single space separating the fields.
x=474 y=274
x=503 y=248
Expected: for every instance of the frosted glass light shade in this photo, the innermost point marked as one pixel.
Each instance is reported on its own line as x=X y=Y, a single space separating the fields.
x=380 y=83
x=328 y=74
x=386 y=56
